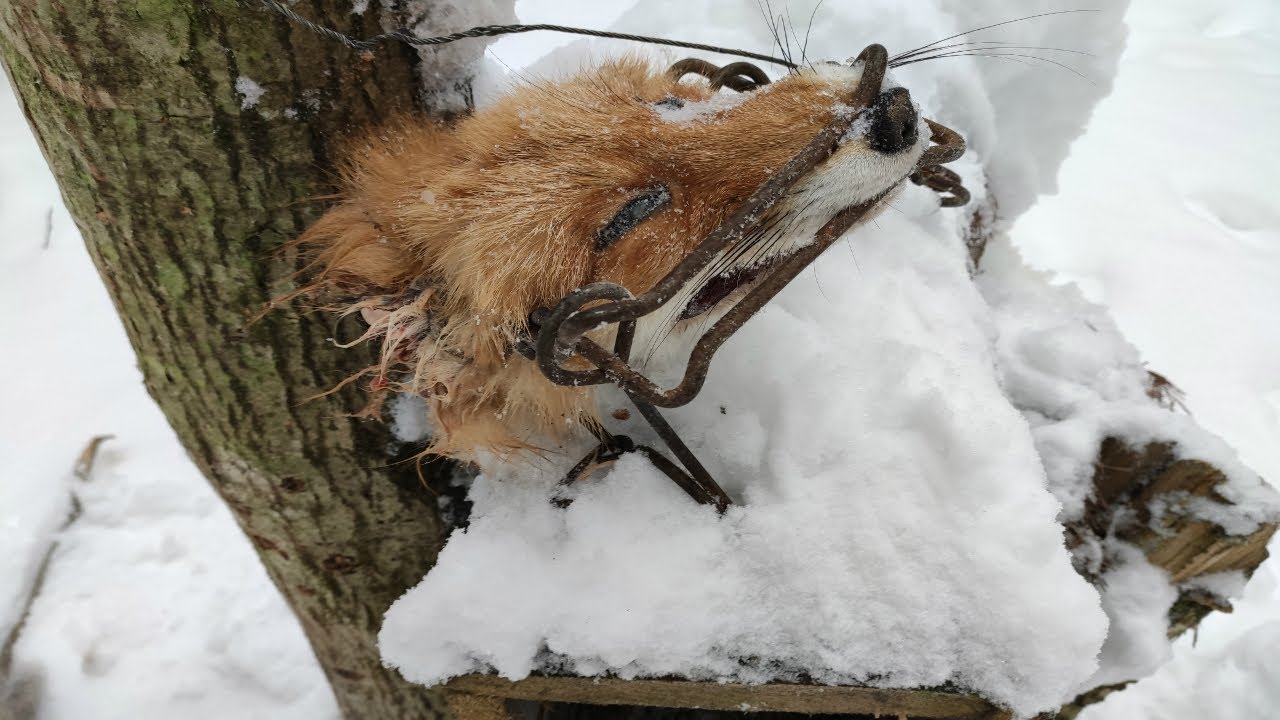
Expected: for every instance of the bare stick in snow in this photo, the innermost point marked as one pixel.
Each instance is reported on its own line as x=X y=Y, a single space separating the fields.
x=83 y=469
x=19 y=694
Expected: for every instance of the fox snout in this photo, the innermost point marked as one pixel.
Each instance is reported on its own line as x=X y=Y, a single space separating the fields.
x=894 y=122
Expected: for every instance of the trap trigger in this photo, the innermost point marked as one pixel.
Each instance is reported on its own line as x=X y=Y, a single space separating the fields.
x=698 y=483
x=544 y=324
x=611 y=448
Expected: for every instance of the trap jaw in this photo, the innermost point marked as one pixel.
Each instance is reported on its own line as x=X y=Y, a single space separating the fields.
x=560 y=333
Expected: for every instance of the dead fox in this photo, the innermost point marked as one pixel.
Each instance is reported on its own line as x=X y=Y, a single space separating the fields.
x=448 y=237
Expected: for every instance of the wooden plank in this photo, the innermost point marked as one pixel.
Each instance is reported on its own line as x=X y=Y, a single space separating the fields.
x=468 y=706
x=772 y=697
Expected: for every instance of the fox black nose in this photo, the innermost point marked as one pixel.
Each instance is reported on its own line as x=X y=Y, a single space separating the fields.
x=893 y=122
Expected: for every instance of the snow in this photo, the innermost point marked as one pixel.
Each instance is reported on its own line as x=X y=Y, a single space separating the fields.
x=1223 y=584
x=683 y=112
x=442 y=65
x=1229 y=669
x=1137 y=600
x=1181 y=239
x=33 y=502
x=1179 y=245
x=150 y=585
x=410 y=421
x=250 y=92
x=1066 y=365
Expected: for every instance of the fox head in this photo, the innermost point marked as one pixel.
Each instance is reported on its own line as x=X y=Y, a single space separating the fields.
x=447 y=238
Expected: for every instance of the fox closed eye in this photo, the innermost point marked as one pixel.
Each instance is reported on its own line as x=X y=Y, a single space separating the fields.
x=636 y=211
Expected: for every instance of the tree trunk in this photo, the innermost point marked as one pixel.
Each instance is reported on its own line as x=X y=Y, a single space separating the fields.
x=191 y=139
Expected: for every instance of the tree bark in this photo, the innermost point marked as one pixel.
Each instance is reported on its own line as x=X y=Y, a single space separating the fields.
x=186 y=182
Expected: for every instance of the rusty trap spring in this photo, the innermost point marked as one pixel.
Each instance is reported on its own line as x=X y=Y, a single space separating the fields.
x=558 y=334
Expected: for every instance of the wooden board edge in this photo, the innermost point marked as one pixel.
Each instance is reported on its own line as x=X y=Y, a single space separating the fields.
x=770 y=697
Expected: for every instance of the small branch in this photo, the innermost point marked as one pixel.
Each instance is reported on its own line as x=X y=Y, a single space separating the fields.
x=6 y=650
x=83 y=469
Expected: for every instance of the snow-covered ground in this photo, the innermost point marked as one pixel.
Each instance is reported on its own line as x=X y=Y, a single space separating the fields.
x=154 y=605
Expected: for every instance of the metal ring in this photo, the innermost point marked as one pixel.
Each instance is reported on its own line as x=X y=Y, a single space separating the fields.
x=697 y=66
x=738 y=76
x=554 y=345
x=948 y=145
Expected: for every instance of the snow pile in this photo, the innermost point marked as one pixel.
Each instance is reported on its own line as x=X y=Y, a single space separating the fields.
x=1066 y=366
x=1228 y=669
x=894 y=525
x=1064 y=363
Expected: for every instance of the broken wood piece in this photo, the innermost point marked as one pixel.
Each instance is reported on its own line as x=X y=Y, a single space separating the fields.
x=1155 y=492
x=1149 y=498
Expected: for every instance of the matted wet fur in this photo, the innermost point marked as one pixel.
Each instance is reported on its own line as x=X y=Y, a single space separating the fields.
x=447 y=237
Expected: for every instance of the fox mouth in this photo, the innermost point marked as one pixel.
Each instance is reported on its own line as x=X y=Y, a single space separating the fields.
x=722 y=286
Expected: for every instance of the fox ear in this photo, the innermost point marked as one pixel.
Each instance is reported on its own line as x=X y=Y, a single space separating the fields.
x=353 y=257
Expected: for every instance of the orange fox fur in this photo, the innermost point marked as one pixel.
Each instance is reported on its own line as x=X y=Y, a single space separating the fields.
x=452 y=235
